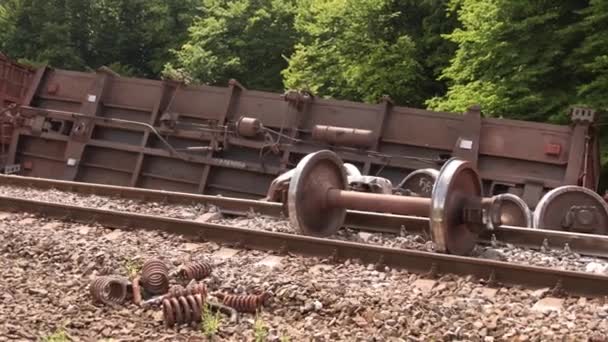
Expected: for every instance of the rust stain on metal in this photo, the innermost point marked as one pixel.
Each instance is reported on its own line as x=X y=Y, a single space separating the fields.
x=192 y=289
x=195 y=270
x=155 y=276
x=210 y=151
x=343 y=136
x=183 y=309
x=244 y=303
x=109 y=290
x=137 y=298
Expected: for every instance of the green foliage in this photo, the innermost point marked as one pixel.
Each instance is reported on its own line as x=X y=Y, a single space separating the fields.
x=363 y=49
x=210 y=323
x=132 y=267
x=260 y=330
x=58 y=336
x=42 y=30
x=592 y=55
x=349 y=50
x=527 y=60
x=134 y=35
x=242 y=39
x=510 y=59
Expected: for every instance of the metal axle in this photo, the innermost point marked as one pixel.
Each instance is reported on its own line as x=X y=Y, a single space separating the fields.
x=394 y=204
x=318 y=200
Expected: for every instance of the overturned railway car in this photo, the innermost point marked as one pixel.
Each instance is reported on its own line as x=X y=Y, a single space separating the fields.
x=100 y=127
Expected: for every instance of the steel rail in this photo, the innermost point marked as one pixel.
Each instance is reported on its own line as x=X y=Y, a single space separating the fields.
x=496 y=272
x=584 y=244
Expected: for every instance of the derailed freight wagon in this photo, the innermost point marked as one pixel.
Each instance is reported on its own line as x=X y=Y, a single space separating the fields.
x=103 y=128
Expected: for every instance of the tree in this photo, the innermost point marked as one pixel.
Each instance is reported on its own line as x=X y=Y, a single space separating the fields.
x=349 y=50
x=511 y=58
x=591 y=61
x=425 y=21
x=137 y=34
x=42 y=31
x=591 y=57
x=242 y=39
x=85 y=34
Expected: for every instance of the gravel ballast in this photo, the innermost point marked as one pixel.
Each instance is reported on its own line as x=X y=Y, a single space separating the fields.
x=554 y=258
x=47 y=266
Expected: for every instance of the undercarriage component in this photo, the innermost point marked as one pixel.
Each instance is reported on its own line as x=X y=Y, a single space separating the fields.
x=351 y=170
x=277 y=192
x=317 y=202
x=97 y=127
x=278 y=187
x=574 y=209
x=419 y=183
x=373 y=184
x=513 y=211
x=248 y=127
x=343 y=136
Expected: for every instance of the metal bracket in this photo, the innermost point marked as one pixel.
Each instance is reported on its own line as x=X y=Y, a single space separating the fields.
x=10 y=169
x=532 y=193
x=81 y=129
x=168 y=121
x=583 y=115
x=37 y=125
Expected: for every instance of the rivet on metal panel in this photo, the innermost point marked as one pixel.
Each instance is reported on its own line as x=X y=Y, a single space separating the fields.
x=553 y=149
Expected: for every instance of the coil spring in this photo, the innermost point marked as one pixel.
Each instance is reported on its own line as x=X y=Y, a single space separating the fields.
x=109 y=289
x=182 y=309
x=244 y=303
x=155 y=276
x=178 y=291
x=196 y=270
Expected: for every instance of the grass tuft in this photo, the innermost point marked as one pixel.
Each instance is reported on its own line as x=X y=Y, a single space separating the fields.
x=210 y=322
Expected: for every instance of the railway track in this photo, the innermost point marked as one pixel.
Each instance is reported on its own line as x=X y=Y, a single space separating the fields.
x=584 y=244
x=490 y=271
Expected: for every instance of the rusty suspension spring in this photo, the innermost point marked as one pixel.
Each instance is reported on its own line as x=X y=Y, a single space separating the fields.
x=155 y=276
x=244 y=303
x=178 y=291
x=196 y=270
x=109 y=289
x=183 y=309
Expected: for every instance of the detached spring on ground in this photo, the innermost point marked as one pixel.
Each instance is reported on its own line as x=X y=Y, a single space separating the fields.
x=178 y=291
x=243 y=303
x=155 y=276
x=109 y=290
x=196 y=270
x=183 y=309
